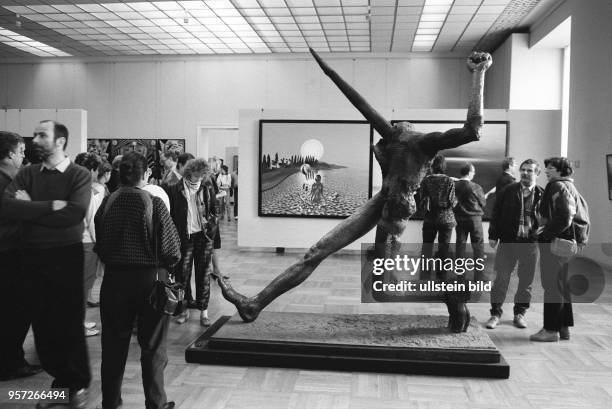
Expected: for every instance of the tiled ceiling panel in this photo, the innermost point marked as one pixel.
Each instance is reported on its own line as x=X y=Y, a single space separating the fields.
x=53 y=28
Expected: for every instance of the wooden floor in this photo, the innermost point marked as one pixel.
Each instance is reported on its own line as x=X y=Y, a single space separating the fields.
x=573 y=374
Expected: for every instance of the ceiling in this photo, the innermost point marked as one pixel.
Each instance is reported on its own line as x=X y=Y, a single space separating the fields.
x=84 y=28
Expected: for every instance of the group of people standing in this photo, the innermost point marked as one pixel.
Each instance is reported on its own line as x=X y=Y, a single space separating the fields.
x=60 y=222
x=525 y=222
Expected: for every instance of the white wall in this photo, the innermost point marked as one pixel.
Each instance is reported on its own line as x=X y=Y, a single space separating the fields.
x=523 y=77
x=537 y=75
x=23 y=122
x=171 y=97
x=531 y=134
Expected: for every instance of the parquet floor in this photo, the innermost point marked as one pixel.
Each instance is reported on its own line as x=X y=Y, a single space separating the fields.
x=574 y=374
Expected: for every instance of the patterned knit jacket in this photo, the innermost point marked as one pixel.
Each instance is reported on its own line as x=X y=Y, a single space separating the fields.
x=123 y=238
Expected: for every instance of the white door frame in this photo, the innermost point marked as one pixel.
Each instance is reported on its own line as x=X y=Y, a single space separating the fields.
x=201 y=132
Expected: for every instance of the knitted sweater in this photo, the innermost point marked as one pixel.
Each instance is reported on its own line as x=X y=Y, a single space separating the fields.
x=438 y=199
x=42 y=227
x=123 y=238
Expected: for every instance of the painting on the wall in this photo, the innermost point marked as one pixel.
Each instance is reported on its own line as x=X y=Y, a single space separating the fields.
x=486 y=155
x=313 y=168
x=151 y=148
x=609 y=167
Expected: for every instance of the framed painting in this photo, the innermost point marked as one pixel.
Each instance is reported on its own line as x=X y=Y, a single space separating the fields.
x=313 y=168
x=486 y=155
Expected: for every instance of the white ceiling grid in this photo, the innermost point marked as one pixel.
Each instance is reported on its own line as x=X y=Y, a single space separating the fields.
x=82 y=28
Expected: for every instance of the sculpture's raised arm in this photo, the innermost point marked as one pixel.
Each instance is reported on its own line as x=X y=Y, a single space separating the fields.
x=371 y=115
x=478 y=63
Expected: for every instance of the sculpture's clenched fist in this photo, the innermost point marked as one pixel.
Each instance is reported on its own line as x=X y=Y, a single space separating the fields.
x=479 y=61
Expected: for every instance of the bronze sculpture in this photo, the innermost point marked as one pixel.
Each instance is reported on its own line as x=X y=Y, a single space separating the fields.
x=404 y=157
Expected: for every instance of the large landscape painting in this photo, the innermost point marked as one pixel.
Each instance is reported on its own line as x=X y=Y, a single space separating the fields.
x=313 y=168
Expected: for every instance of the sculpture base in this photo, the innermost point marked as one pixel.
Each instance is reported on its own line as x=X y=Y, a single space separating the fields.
x=410 y=344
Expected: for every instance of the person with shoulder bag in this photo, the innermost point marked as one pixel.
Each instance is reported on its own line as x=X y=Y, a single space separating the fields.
x=564 y=230
x=138 y=243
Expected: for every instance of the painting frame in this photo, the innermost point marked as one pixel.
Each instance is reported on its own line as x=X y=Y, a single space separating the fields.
x=609 y=168
x=445 y=124
x=317 y=125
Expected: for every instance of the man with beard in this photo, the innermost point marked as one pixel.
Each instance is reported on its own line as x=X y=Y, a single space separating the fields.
x=514 y=226
x=14 y=309
x=51 y=200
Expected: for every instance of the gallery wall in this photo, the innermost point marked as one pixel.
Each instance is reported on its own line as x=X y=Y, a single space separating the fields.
x=531 y=134
x=23 y=122
x=170 y=97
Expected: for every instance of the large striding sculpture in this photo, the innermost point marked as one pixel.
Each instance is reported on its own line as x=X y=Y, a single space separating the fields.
x=404 y=157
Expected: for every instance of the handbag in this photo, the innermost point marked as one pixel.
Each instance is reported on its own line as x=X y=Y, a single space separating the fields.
x=167 y=297
x=563 y=247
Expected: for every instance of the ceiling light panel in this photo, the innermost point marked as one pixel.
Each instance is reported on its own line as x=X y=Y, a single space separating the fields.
x=29 y=45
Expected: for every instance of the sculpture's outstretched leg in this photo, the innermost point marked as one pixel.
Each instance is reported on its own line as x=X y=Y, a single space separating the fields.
x=352 y=228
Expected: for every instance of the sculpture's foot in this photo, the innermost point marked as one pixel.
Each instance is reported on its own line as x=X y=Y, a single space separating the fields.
x=458 y=316
x=247 y=308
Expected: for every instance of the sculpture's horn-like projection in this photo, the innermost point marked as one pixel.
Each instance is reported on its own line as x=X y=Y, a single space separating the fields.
x=371 y=115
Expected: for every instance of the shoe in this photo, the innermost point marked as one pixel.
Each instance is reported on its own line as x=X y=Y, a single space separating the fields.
x=23 y=371
x=92 y=304
x=520 y=321
x=564 y=333
x=169 y=405
x=91 y=332
x=78 y=400
x=545 y=336
x=236 y=218
x=493 y=321
x=89 y=324
x=204 y=320
x=183 y=317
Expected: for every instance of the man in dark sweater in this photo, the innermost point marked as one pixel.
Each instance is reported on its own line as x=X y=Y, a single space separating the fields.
x=51 y=200
x=514 y=226
x=14 y=310
x=468 y=213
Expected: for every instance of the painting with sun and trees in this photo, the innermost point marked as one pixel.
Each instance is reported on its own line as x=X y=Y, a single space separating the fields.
x=313 y=168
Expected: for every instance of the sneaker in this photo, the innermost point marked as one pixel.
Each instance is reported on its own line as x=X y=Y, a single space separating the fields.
x=520 y=321
x=183 y=317
x=91 y=332
x=204 y=320
x=545 y=336
x=89 y=324
x=493 y=321
x=564 y=333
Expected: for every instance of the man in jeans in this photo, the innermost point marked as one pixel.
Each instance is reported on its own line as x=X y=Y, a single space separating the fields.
x=51 y=200
x=514 y=226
